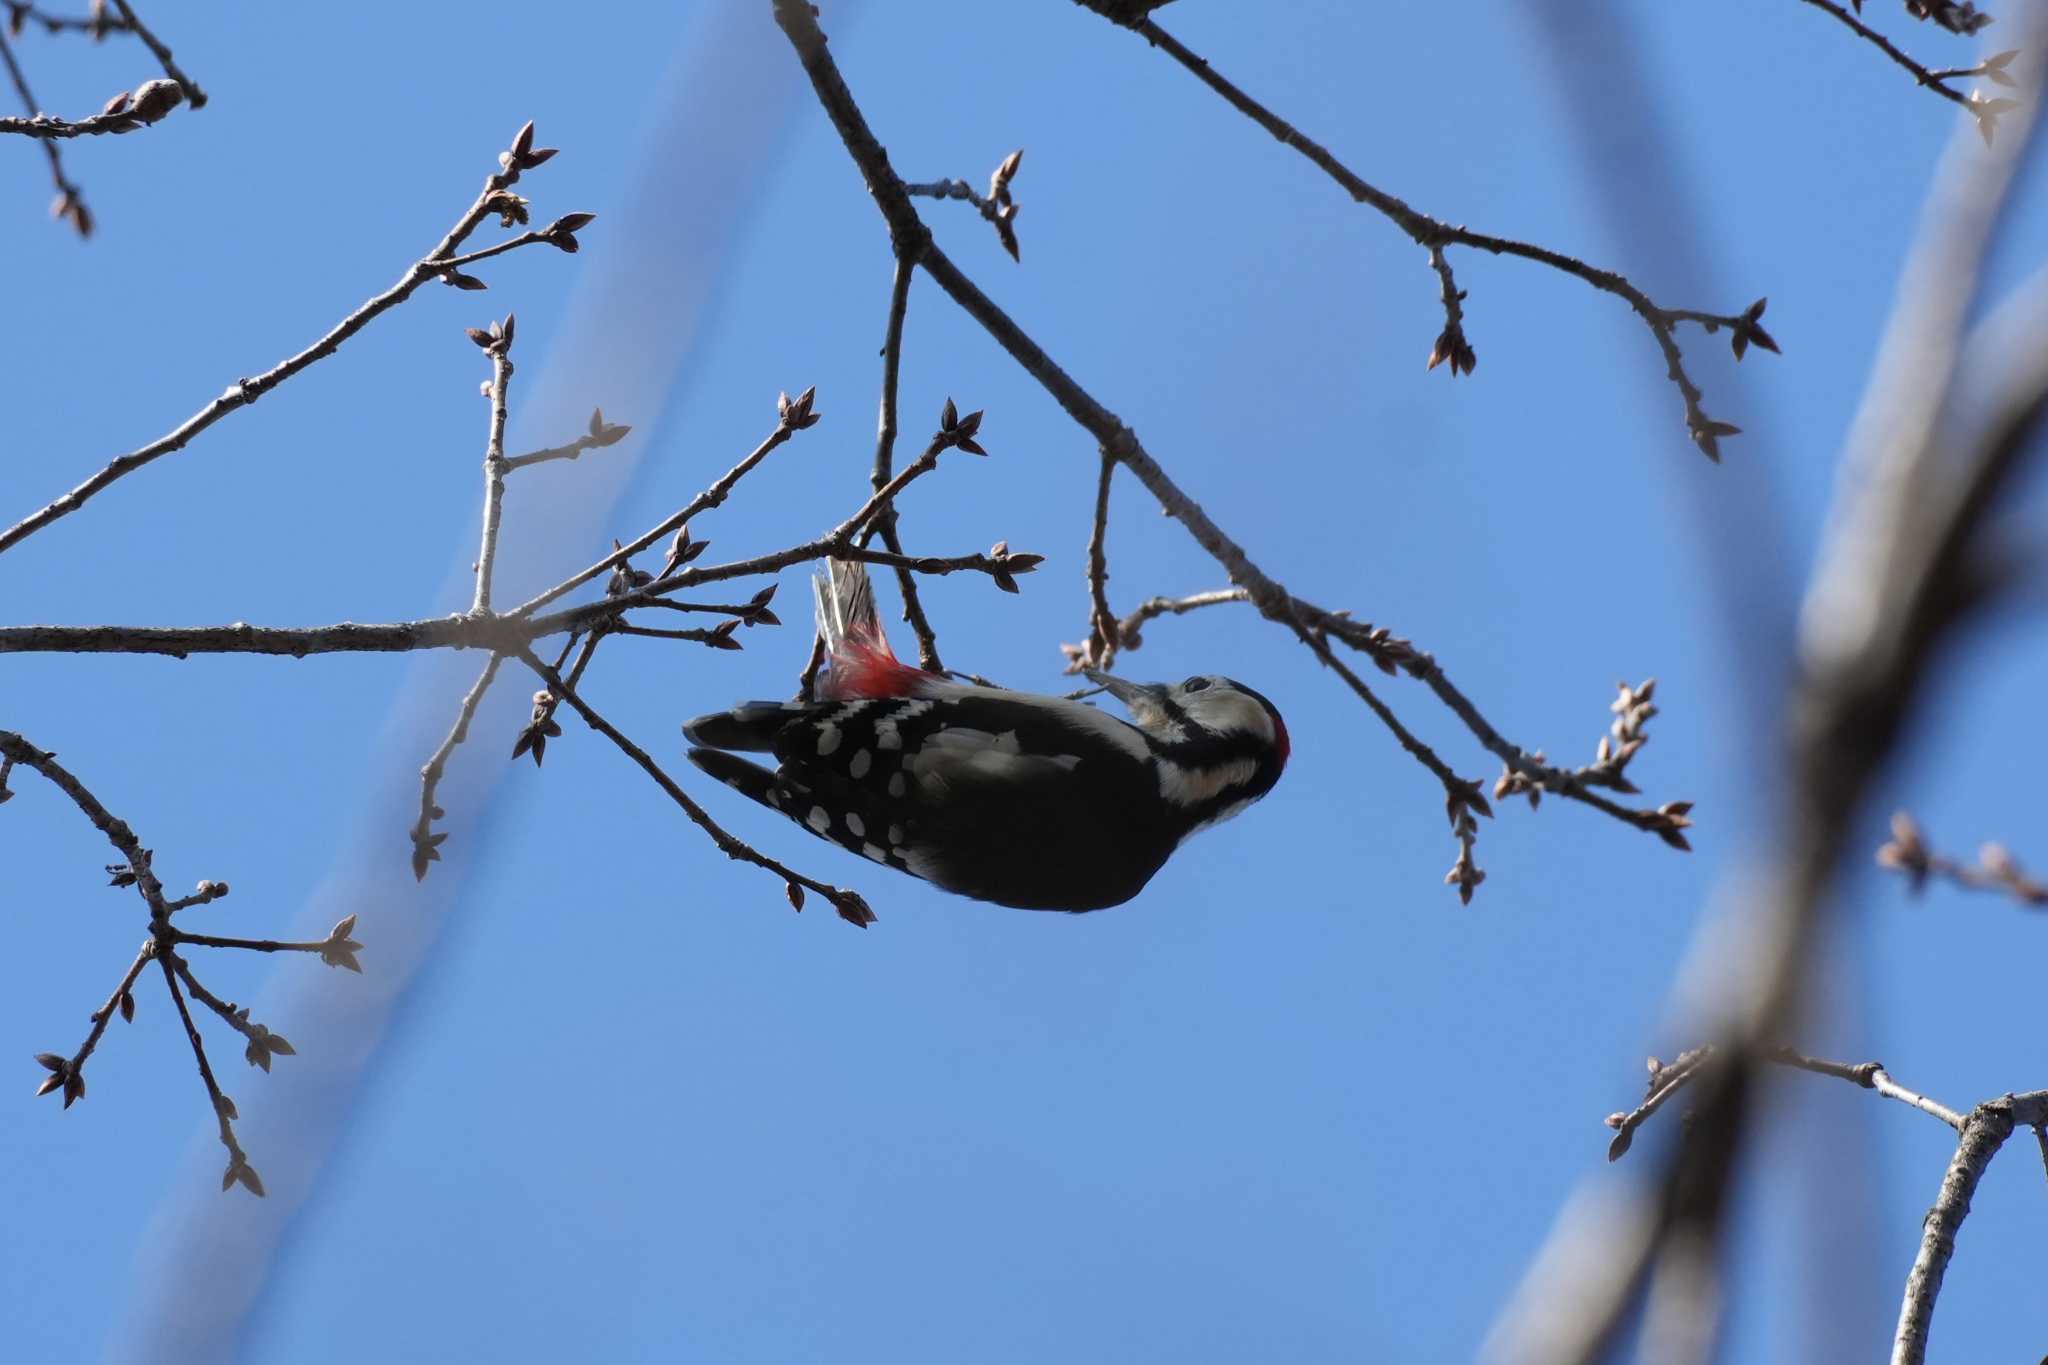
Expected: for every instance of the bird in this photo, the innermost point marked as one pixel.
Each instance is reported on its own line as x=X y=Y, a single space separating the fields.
x=1025 y=800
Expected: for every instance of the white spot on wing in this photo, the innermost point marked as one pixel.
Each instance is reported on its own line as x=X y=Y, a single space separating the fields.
x=896 y=785
x=818 y=820
x=870 y=851
x=856 y=824
x=828 y=739
x=862 y=761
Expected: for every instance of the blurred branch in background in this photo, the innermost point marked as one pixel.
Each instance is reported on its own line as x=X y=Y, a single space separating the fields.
x=1996 y=870
x=1903 y=566
x=123 y=113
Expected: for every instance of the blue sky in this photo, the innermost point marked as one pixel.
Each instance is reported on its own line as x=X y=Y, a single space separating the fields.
x=599 y=1094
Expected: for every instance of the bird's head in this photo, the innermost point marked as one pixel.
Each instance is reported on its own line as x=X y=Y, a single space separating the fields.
x=1221 y=745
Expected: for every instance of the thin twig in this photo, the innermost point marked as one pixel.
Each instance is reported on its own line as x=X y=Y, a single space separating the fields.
x=849 y=904
x=124 y=118
x=1934 y=81
x=885 y=447
x=884 y=498
x=96 y=25
x=70 y=202
x=20 y=751
x=711 y=497
x=1105 y=633
x=1869 y=1075
x=426 y=845
x=601 y=434
x=492 y=199
x=254 y=945
x=102 y=1016
x=1996 y=870
x=1129 y=631
x=1668 y=1080
x=500 y=352
x=193 y=94
x=239 y=1168
x=998 y=208
x=1434 y=235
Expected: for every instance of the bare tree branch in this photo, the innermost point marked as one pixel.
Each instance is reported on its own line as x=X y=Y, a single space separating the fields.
x=1118 y=442
x=70 y=202
x=193 y=94
x=497 y=345
x=885 y=448
x=124 y=113
x=96 y=24
x=847 y=903
x=1895 y=575
x=496 y=197
x=1434 y=235
x=1996 y=870
x=1983 y=1133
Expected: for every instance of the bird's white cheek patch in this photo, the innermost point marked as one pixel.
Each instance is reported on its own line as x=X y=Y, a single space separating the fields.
x=1193 y=786
x=1229 y=811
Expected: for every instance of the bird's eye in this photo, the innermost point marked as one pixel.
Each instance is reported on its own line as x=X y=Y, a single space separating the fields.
x=1194 y=684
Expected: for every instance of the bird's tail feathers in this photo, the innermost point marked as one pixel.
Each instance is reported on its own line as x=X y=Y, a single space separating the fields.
x=862 y=664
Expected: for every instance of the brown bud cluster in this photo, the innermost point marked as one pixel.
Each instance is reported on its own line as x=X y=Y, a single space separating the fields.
x=795 y=414
x=957 y=432
x=542 y=728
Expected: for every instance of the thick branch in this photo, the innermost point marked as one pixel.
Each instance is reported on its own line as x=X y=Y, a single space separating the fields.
x=1986 y=1130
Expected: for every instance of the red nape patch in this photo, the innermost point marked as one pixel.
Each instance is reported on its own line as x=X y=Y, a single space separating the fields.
x=1280 y=736
x=867 y=667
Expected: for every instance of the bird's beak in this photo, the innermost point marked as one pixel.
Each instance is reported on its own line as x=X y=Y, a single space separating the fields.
x=1129 y=693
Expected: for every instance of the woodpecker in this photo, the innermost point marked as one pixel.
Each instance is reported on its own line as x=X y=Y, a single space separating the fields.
x=1031 y=801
